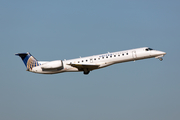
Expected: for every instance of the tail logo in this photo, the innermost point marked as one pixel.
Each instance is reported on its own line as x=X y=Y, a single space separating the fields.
x=28 y=60
x=32 y=63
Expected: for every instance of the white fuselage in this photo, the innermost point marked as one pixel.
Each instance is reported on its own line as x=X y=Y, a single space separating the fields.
x=102 y=60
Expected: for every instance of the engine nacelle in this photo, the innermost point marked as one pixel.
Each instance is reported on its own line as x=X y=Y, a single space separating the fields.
x=53 y=65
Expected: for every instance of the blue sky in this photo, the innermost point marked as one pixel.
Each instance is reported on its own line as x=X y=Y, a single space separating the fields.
x=52 y=30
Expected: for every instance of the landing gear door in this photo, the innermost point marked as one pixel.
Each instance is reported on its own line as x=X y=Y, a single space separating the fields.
x=134 y=55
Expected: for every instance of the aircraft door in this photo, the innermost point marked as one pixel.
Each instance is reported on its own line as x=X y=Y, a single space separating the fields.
x=134 y=55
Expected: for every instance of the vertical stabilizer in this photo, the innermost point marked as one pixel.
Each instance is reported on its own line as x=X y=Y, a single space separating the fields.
x=28 y=60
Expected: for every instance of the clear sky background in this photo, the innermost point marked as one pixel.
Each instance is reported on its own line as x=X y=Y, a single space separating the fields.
x=51 y=30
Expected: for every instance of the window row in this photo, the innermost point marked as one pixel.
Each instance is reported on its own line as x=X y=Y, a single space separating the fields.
x=103 y=57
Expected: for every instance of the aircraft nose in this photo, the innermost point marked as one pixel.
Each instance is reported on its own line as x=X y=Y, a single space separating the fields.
x=163 y=53
x=160 y=53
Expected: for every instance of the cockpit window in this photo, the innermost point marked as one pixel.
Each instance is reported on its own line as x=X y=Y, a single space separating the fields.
x=148 y=49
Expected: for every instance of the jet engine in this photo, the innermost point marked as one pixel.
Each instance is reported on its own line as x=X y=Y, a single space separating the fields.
x=58 y=64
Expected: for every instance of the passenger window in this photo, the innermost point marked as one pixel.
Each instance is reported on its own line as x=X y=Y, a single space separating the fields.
x=126 y=53
x=86 y=60
x=111 y=56
x=114 y=55
x=94 y=58
x=106 y=56
x=99 y=58
x=123 y=54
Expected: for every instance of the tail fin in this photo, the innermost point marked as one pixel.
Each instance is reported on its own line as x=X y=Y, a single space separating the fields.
x=28 y=60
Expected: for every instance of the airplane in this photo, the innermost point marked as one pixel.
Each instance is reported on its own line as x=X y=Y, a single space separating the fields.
x=87 y=64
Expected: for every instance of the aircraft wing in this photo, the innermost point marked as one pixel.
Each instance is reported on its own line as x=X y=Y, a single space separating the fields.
x=85 y=66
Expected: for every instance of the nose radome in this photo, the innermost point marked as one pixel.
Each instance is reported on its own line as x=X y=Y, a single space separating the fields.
x=160 y=52
x=163 y=53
